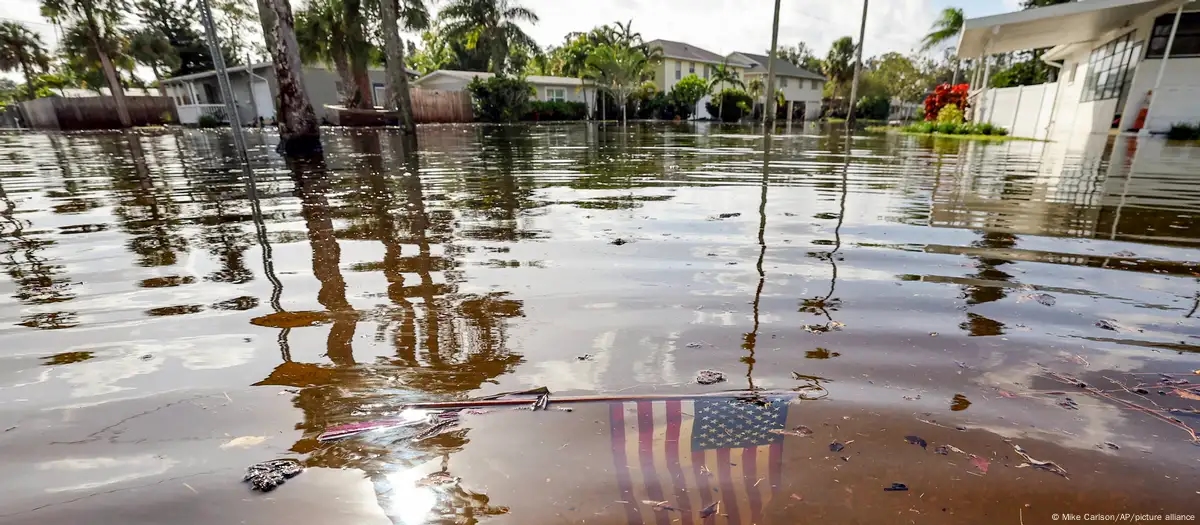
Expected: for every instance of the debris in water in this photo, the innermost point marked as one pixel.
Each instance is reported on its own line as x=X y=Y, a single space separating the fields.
x=619 y=241
x=585 y=357
x=437 y=478
x=267 y=475
x=836 y=447
x=941 y=449
x=1112 y=445
x=1108 y=325
x=709 y=377
x=1125 y=253
x=728 y=215
x=659 y=505
x=980 y=463
x=933 y=334
x=1043 y=299
x=896 y=487
x=916 y=440
x=797 y=497
x=912 y=398
x=693 y=345
x=801 y=431
x=1141 y=391
x=244 y=442
x=959 y=403
x=831 y=326
x=960 y=427
x=542 y=402
x=1005 y=393
x=1037 y=463
x=1069 y=404
x=710 y=510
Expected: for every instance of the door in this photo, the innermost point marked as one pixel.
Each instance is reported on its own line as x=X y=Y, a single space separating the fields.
x=263 y=99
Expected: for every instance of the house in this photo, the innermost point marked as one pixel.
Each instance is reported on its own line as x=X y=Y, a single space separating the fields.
x=548 y=88
x=254 y=91
x=681 y=60
x=1113 y=62
x=801 y=88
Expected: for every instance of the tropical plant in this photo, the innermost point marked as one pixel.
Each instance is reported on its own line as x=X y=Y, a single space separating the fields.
x=175 y=20
x=1183 y=131
x=500 y=98
x=151 y=48
x=688 y=91
x=839 y=64
x=100 y=22
x=321 y=36
x=415 y=16
x=22 y=50
x=618 y=70
x=721 y=76
x=551 y=110
x=944 y=95
x=947 y=26
x=489 y=24
x=730 y=105
x=874 y=107
x=950 y=114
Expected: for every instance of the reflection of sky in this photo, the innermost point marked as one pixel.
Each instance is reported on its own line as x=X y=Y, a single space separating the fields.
x=95 y=472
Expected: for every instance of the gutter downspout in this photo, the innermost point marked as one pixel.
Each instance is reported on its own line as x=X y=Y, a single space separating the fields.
x=1162 y=68
x=1054 y=103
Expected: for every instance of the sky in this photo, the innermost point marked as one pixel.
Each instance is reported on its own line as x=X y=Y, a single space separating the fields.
x=720 y=26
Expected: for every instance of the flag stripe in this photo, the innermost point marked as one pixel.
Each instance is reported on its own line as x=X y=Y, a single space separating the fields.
x=624 y=480
x=776 y=462
x=674 y=422
x=645 y=415
x=750 y=468
x=729 y=498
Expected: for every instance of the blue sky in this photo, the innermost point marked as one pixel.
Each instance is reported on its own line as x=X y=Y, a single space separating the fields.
x=722 y=26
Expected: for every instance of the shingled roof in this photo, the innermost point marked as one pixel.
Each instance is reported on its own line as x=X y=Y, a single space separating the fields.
x=682 y=51
x=782 y=67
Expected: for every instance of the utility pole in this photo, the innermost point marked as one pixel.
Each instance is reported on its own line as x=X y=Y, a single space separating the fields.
x=769 y=107
x=214 y=47
x=862 y=32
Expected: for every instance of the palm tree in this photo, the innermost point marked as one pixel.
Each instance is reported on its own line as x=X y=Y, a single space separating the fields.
x=491 y=24
x=415 y=17
x=22 y=49
x=948 y=25
x=100 y=20
x=618 y=70
x=151 y=48
x=299 y=134
x=321 y=35
x=721 y=75
x=756 y=88
x=839 y=63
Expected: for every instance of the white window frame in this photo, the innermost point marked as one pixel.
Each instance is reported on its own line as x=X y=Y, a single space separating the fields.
x=556 y=94
x=678 y=70
x=815 y=85
x=691 y=68
x=379 y=92
x=782 y=81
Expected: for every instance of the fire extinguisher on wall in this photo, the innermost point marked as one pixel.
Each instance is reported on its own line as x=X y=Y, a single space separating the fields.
x=1143 y=112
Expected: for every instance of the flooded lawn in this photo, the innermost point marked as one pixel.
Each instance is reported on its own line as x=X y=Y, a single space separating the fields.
x=1009 y=330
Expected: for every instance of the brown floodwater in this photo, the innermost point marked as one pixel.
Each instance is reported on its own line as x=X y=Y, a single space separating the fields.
x=168 y=318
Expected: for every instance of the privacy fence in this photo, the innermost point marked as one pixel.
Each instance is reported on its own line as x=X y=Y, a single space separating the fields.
x=78 y=113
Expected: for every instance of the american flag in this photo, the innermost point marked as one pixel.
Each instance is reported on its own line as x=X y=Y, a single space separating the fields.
x=693 y=452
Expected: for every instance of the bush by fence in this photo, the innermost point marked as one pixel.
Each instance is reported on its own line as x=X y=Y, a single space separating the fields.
x=555 y=110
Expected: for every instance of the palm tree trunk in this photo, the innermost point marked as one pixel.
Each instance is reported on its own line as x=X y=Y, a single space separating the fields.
x=341 y=64
x=399 y=99
x=298 y=131
x=110 y=72
x=356 y=47
x=31 y=91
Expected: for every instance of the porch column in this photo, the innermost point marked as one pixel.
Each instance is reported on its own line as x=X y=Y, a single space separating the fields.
x=192 y=92
x=987 y=77
x=791 y=107
x=1162 y=68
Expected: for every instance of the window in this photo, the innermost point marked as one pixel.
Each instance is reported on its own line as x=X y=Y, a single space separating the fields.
x=1110 y=69
x=706 y=71
x=1187 y=37
x=816 y=85
x=678 y=69
x=782 y=81
x=380 y=92
x=556 y=94
x=691 y=68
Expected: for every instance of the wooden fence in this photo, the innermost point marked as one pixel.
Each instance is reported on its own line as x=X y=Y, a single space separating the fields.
x=441 y=106
x=76 y=113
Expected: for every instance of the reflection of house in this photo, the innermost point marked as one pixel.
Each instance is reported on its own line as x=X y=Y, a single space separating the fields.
x=254 y=91
x=1109 y=54
x=801 y=88
x=548 y=88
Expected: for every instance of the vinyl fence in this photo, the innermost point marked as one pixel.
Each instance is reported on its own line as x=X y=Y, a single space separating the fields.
x=96 y=112
x=1025 y=110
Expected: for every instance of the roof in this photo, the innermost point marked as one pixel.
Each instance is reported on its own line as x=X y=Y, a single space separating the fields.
x=684 y=51
x=782 y=67
x=255 y=67
x=471 y=75
x=1056 y=25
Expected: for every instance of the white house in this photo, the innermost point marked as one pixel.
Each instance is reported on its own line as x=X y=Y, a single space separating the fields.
x=548 y=88
x=801 y=88
x=1129 y=64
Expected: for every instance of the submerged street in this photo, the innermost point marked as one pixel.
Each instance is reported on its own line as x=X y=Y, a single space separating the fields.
x=923 y=311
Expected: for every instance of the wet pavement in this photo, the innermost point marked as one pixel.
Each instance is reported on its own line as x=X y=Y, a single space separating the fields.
x=163 y=325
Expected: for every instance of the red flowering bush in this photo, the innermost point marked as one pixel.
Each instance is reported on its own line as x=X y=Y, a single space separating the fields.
x=943 y=95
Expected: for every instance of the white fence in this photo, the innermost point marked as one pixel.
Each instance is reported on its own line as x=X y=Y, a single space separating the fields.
x=1173 y=105
x=1025 y=111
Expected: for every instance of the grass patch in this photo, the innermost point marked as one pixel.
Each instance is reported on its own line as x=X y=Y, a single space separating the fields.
x=963 y=131
x=1181 y=131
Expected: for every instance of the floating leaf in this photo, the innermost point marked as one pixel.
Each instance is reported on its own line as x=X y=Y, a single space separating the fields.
x=980 y=463
x=710 y=510
x=836 y=447
x=915 y=440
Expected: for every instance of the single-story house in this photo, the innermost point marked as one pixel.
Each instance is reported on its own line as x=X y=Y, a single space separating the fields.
x=548 y=88
x=255 y=90
x=1129 y=64
x=801 y=88
x=681 y=59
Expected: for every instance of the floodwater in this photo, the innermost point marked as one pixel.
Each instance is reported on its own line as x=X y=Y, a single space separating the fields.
x=164 y=324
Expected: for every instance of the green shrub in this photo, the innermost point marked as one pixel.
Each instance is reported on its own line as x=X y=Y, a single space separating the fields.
x=872 y=107
x=987 y=128
x=500 y=98
x=1181 y=131
x=947 y=128
x=555 y=110
x=950 y=114
x=999 y=131
x=737 y=104
x=210 y=121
